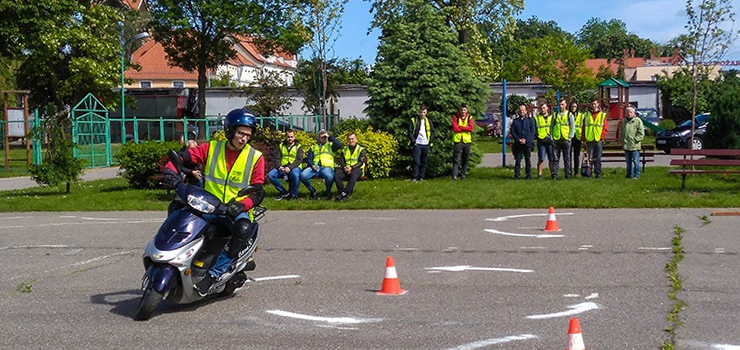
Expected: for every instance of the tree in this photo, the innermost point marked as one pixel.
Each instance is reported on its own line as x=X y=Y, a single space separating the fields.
x=707 y=40
x=723 y=129
x=200 y=34
x=558 y=62
x=66 y=49
x=267 y=94
x=338 y=72
x=608 y=39
x=322 y=18
x=419 y=62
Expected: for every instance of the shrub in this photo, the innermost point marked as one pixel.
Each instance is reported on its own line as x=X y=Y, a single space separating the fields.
x=723 y=130
x=667 y=124
x=351 y=124
x=141 y=162
x=381 y=147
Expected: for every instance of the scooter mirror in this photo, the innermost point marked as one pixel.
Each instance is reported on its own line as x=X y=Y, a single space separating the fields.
x=174 y=157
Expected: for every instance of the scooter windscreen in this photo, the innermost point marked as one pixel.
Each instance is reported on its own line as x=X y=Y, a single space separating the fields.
x=180 y=228
x=198 y=198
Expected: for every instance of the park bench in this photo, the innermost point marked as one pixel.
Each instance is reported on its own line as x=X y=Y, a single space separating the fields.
x=710 y=161
x=613 y=153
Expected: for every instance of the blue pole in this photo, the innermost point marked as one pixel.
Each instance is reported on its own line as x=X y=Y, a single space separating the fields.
x=557 y=101
x=503 y=127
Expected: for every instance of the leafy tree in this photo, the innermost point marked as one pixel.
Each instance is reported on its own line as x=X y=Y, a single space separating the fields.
x=677 y=94
x=267 y=94
x=558 y=62
x=707 y=41
x=200 y=36
x=608 y=39
x=339 y=72
x=58 y=164
x=512 y=104
x=322 y=18
x=419 y=62
x=723 y=130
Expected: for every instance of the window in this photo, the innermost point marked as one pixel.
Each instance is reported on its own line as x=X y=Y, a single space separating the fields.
x=178 y=84
x=528 y=79
x=145 y=84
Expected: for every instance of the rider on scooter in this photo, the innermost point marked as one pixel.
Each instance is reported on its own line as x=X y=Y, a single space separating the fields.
x=230 y=165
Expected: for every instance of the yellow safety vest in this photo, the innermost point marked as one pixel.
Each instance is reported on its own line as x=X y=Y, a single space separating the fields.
x=324 y=154
x=288 y=154
x=352 y=158
x=543 y=126
x=561 y=127
x=579 y=124
x=227 y=184
x=464 y=136
x=594 y=127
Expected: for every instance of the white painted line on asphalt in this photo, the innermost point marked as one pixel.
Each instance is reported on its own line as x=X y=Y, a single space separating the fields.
x=470 y=268
x=654 y=248
x=84 y=262
x=270 y=278
x=719 y=250
x=488 y=342
x=592 y=296
x=36 y=246
x=17 y=217
x=574 y=310
x=726 y=347
x=522 y=234
x=585 y=247
x=571 y=295
x=504 y=218
x=124 y=222
x=331 y=320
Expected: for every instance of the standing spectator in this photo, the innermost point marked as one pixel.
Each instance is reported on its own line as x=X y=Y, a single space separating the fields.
x=522 y=132
x=351 y=165
x=320 y=163
x=421 y=135
x=575 y=142
x=462 y=128
x=544 y=139
x=594 y=131
x=631 y=134
x=288 y=159
x=563 y=129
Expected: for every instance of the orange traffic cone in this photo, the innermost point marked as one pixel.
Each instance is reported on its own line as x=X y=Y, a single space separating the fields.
x=390 y=281
x=575 y=339
x=552 y=222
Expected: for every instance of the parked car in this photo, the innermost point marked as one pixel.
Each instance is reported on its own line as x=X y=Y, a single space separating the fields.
x=680 y=136
x=490 y=122
x=648 y=115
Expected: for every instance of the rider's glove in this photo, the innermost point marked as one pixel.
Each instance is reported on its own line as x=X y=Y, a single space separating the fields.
x=170 y=179
x=235 y=209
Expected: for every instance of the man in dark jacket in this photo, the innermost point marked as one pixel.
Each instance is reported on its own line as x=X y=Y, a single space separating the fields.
x=421 y=135
x=522 y=133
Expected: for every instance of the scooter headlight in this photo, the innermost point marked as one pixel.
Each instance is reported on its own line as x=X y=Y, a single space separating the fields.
x=200 y=204
x=180 y=260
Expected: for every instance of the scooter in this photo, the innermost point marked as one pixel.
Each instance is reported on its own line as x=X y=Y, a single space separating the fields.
x=186 y=246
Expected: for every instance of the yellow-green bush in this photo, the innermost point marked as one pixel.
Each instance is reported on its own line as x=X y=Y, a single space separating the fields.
x=382 y=150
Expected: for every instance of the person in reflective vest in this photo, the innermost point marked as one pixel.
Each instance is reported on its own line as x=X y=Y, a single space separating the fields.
x=563 y=129
x=594 y=132
x=230 y=166
x=320 y=163
x=421 y=136
x=288 y=159
x=575 y=142
x=543 y=122
x=350 y=165
x=462 y=129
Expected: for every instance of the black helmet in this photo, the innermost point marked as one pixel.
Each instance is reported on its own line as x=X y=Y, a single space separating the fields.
x=239 y=117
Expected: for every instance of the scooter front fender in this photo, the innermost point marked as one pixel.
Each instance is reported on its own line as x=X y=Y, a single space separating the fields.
x=163 y=277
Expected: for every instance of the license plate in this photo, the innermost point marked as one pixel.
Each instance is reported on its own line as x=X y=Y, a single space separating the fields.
x=660 y=142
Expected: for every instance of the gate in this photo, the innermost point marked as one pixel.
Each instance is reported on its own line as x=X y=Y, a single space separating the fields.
x=91 y=132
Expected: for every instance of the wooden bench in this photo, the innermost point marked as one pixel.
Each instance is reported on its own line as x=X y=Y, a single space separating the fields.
x=614 y=153
x=689 y=164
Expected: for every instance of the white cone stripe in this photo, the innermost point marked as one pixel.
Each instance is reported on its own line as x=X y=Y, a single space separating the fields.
x=551 y=217
x=390 y=272
x=575 y=342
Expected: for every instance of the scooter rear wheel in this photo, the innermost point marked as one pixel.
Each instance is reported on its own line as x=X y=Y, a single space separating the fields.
x=148 y=303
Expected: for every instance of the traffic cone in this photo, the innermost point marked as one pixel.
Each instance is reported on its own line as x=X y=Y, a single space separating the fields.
x=390 y=281
x=575 y=338
x=552 y=222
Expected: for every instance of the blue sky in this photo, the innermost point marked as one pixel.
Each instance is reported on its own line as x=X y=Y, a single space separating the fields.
x=659 y=20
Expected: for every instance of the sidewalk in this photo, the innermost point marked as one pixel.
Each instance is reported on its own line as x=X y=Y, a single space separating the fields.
x=17 y=183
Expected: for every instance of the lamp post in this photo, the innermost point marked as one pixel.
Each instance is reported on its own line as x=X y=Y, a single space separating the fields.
x=139 y=36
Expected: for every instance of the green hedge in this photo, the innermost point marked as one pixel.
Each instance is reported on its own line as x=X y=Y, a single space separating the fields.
x=141 y=162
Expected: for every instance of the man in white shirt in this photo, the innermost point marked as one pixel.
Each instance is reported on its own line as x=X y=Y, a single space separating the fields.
x=421 y=135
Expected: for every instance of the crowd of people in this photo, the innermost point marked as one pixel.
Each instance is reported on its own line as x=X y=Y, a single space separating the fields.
x=562 y=135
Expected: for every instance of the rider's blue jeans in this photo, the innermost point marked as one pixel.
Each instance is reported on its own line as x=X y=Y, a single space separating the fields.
x=223 y=261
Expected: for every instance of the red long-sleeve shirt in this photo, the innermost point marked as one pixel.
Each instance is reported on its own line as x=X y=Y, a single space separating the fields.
x=199 y=155
x=458 y=128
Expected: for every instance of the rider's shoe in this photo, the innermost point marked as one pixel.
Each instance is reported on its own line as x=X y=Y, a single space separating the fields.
x=204 y=286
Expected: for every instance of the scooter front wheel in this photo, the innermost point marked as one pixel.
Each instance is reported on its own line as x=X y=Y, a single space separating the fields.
x=148 y=303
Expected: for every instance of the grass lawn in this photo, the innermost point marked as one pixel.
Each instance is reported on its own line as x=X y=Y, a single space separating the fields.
x=484 y=188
